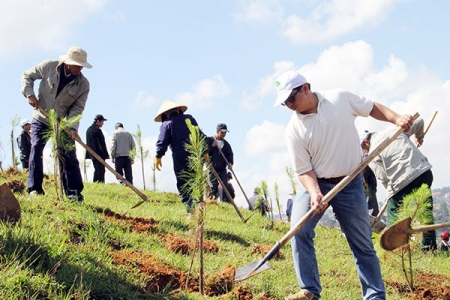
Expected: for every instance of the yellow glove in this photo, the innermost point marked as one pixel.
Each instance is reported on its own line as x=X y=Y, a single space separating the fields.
x=158 y=163
x=206 y=156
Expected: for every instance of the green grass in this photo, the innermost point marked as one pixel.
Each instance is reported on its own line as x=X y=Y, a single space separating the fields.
x=64 y=250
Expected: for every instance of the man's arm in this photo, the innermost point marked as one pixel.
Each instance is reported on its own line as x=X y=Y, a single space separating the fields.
x=383 y=113
x=309 y=181
x=28 y=78
x=113 y=146
x=228 y=152
x=418 y=130
x=27 y=84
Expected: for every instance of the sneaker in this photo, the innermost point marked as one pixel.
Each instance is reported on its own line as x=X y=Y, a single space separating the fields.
x=34 y=193
x=79 y=198
x=303 y=294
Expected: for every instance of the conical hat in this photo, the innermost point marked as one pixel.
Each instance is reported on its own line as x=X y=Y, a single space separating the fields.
x=168 y=105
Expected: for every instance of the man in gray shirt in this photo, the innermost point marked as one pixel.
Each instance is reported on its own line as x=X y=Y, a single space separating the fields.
x=121 y=152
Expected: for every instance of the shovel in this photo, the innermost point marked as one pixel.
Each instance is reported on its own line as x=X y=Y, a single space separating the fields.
x=226 y=191
x=9 y=206
x=261 y=265
x=398 y=234
x=226 y=160
x=97 y=157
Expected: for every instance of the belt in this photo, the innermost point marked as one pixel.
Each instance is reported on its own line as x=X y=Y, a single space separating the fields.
x=333 y=180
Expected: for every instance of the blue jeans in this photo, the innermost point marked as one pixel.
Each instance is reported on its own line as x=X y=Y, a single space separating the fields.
x=71 y=174
x=350 y=209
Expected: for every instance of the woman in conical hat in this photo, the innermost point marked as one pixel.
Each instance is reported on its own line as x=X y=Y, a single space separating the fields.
x=167 y=107
x=174 y=133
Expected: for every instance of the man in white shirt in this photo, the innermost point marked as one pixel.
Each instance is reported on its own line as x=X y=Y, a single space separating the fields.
x=324 y=147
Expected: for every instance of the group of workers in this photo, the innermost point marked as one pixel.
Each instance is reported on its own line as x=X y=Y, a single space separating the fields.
x=322 y=142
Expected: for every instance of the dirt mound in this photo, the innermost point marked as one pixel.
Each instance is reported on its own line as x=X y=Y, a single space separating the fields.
x=159 y=277
x=238 y=293
x=16 y=186
x=427 y=286
x=12 y=171
x=180 y=245
x=220 y=283
x=137 y=224
x=264 y=249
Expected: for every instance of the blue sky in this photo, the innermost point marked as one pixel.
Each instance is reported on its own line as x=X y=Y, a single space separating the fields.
x=220 y=58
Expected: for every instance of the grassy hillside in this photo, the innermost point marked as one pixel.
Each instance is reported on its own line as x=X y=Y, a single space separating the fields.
x=103 y=249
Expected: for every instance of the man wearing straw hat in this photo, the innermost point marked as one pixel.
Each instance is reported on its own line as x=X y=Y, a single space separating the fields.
x=64 y=89
x=174 y=133
x=323 y=145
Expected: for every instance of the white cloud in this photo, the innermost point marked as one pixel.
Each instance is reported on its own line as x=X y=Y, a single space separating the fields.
x=266 y=86
x=204 y=92
x=28 y=25
x=260 y=139
x=331 y=19
x=142 y=101
x=119 y=16
x=260 y=10
x=340 y=67
x=351 y=66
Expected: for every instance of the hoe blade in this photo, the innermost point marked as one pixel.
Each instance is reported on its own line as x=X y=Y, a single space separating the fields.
x=9 y=206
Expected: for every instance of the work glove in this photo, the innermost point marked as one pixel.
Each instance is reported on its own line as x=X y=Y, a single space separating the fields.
x=158 y=163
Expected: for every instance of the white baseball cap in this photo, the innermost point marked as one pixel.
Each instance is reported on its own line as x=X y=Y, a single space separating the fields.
x=24 y=122
x=285 y=83
x=363 y=135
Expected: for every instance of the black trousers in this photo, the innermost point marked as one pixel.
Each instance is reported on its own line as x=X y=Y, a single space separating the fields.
x=99 y=171
x=123 y=165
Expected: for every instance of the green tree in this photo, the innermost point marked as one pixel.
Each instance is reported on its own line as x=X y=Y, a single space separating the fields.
x=140 y=152
x=58 y=131
x=196 y=185
x=417 y=207
x=290 y=174
x=14 y=123
x=277 y=199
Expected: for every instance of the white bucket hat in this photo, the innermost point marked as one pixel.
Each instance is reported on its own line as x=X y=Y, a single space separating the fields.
x=285 y=83
x=75 y=57
x=168 y=105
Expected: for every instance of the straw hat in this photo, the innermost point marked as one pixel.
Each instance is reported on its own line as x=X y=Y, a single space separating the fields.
x=166 y=106
x=76 y=56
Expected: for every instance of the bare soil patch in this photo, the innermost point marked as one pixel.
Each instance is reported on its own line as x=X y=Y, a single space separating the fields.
x=427 y=286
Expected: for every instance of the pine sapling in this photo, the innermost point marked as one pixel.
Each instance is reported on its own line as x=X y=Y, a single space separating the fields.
x=195 y=186
x=61 y=144
x=140 y=152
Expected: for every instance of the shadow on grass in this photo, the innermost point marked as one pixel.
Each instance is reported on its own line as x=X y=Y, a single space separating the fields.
x=78 y=274
x=213 y=234
x=175 y=224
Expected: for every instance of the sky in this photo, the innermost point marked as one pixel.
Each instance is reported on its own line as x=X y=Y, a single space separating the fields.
x=221 y=58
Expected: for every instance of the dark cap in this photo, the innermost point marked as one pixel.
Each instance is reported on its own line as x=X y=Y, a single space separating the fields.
x=100 y=118
x=222 y=127
x=118 y=124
